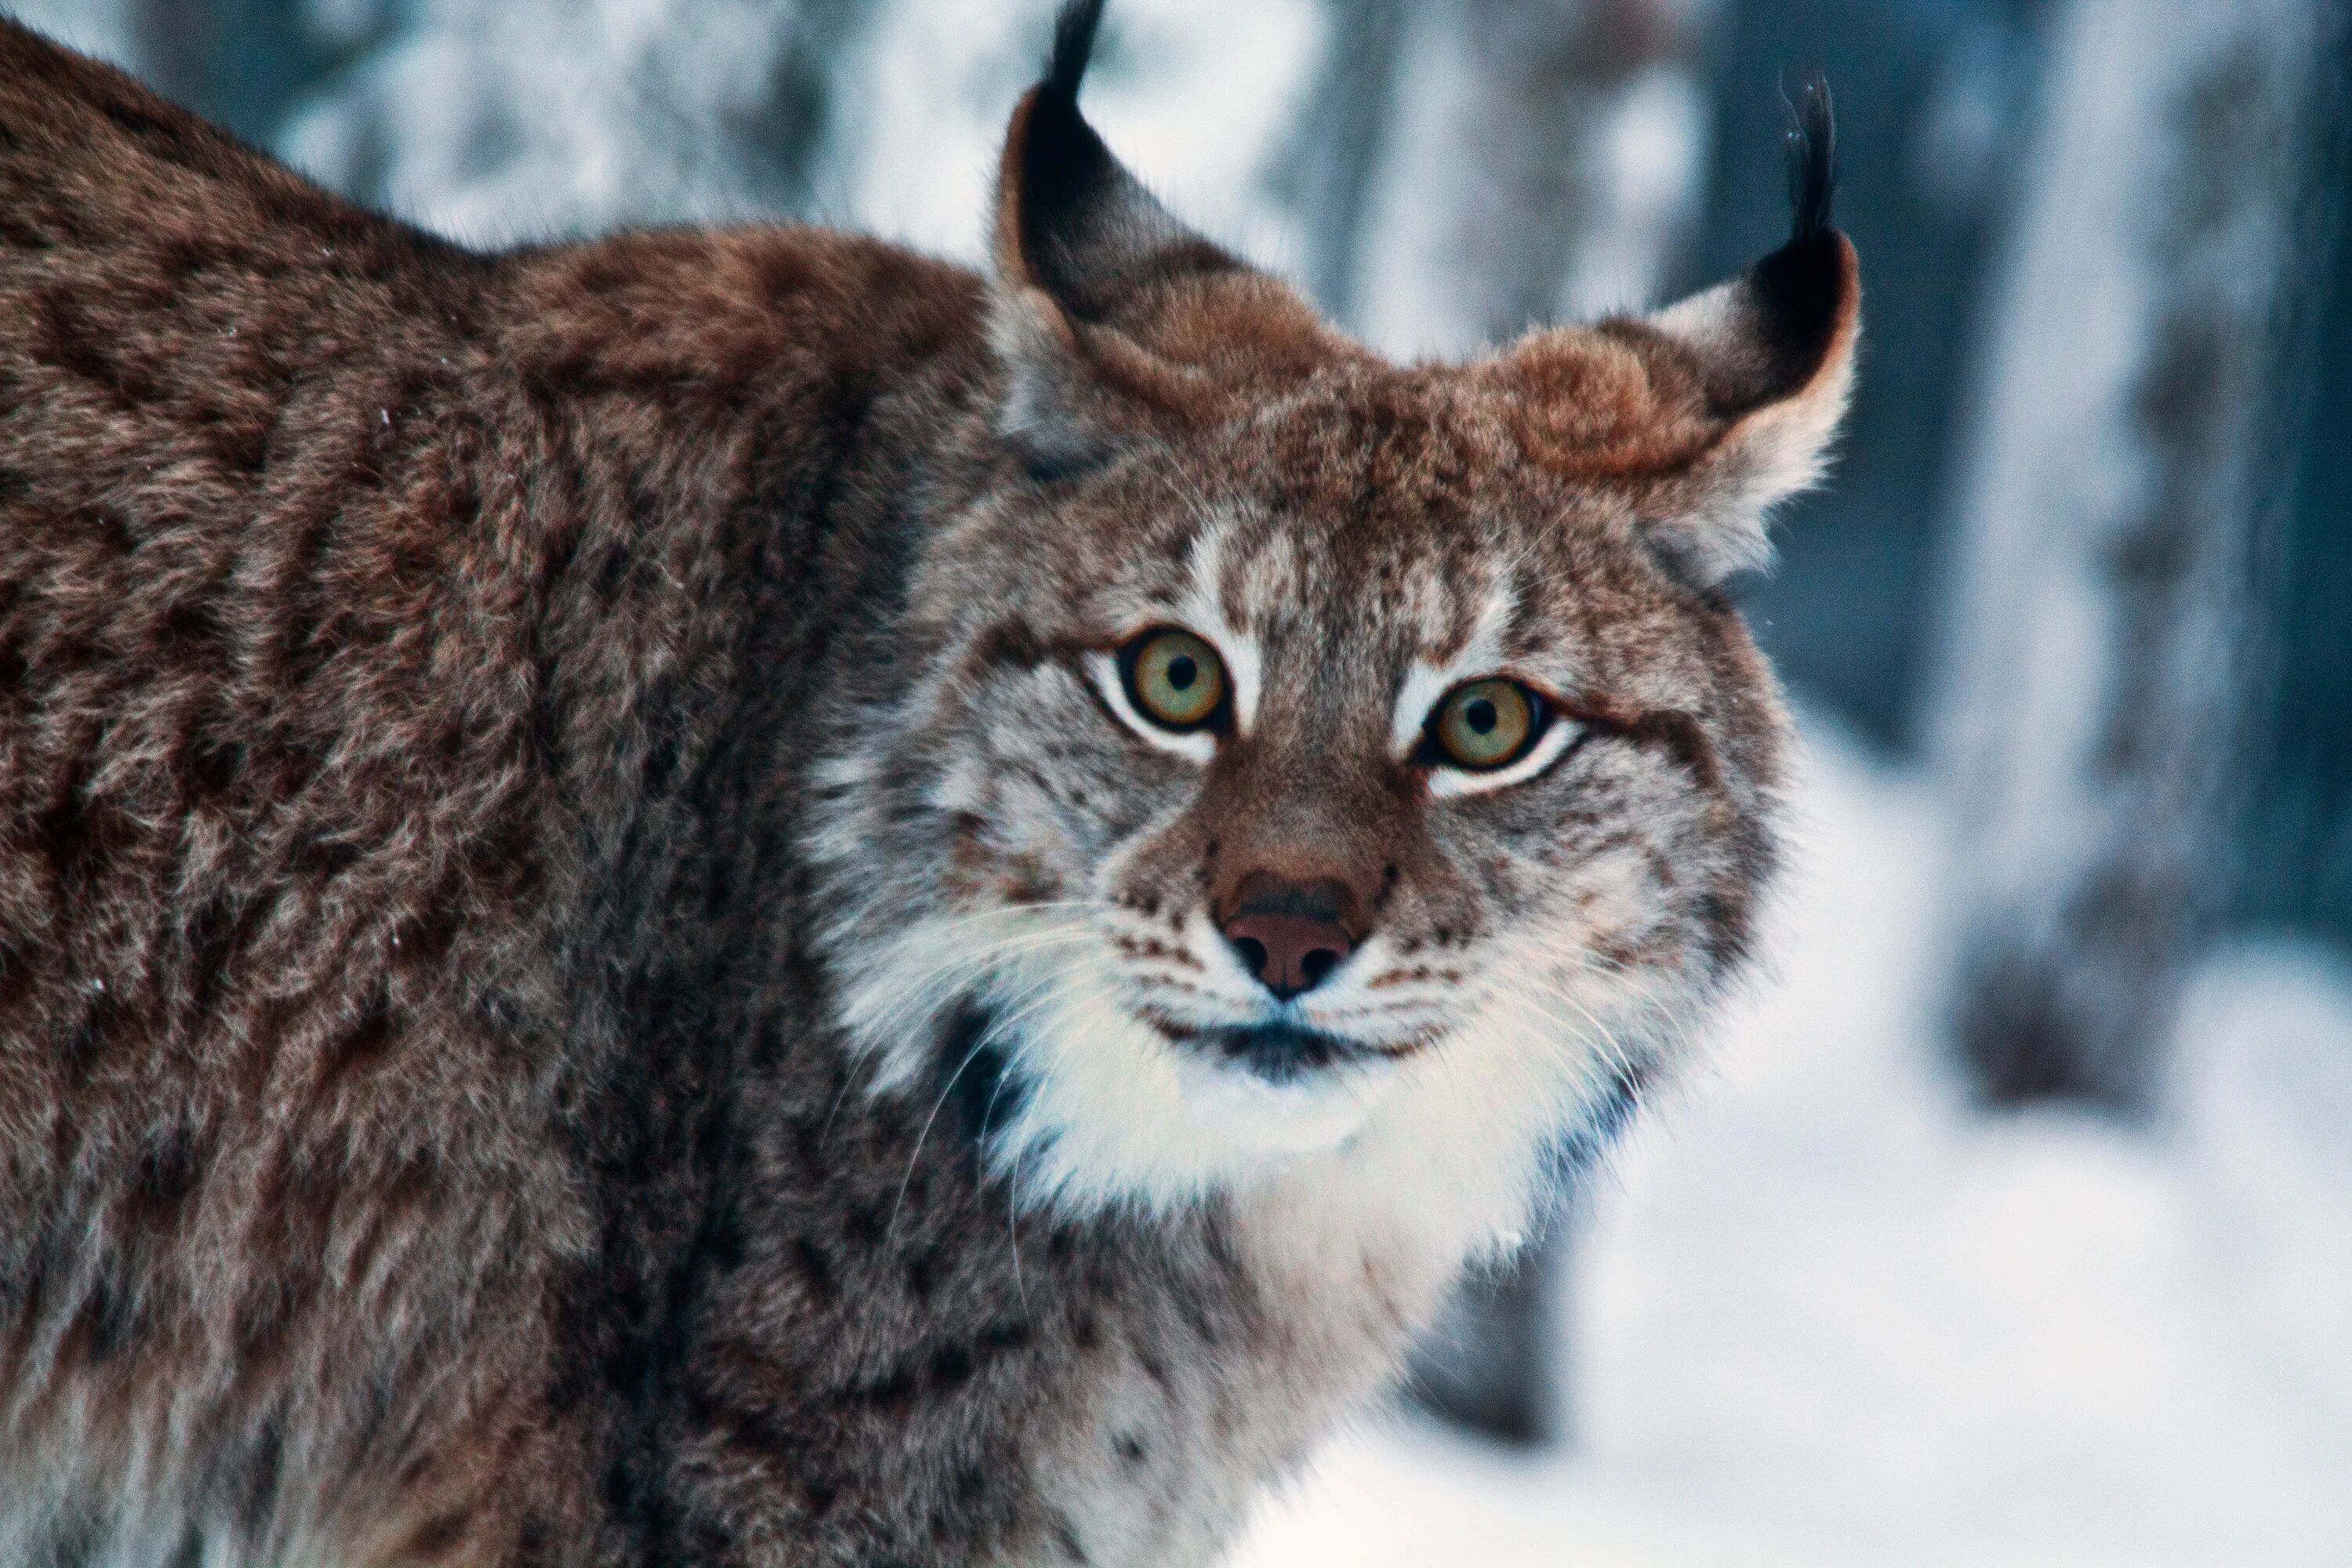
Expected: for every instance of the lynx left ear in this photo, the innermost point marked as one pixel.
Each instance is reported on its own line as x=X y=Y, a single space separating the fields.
x=1756 y=374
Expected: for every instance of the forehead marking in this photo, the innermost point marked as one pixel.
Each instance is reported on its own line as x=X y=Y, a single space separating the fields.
x=1203 y=608
x=1269 y=581
x=1436 y=670
x=1434 y=609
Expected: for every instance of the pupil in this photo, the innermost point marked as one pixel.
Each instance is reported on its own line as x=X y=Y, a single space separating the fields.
x=1183 y=671
x=1480 y=715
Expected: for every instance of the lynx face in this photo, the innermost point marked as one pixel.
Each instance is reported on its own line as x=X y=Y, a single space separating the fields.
x=1312 y=759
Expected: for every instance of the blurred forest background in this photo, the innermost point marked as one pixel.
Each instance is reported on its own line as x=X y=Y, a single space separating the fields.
x=2071 y=628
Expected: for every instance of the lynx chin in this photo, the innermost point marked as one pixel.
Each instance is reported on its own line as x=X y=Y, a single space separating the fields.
x=734 y=896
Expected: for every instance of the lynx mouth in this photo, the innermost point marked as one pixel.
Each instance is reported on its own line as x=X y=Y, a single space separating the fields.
x=1281 y=1053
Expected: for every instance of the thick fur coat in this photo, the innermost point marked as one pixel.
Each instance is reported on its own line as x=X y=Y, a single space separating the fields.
x=508 y=764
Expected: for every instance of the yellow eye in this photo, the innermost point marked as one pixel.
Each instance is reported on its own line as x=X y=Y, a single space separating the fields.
x=1174 y=678
x=1484 y=723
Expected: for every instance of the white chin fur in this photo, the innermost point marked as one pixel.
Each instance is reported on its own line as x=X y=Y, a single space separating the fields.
x=1283 y=1120
x=1444 y=1144
x=1111 y=1112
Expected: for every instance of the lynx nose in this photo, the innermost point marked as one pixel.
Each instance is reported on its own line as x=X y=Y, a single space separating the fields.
x=1289 y=933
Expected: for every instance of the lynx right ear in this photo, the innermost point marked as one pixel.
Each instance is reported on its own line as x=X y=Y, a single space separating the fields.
x=1104 y=302
x=1713 y=410
x=1071 y=222
x=1086 y=262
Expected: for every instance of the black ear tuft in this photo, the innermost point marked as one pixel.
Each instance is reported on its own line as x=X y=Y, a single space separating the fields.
x=1802 y=290
x=1074 y=44
x=1772 y=351
x=1812 y=156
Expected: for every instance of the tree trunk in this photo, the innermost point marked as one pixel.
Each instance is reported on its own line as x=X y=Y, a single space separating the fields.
x=1335 y=153
x=2094 y=692
x=2297 y=829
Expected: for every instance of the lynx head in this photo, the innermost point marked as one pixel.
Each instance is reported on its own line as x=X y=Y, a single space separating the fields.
x=1309 y=761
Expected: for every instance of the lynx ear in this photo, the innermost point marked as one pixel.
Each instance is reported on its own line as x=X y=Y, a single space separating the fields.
x=1745 y=384
x=1071 y=222
x=1087 y=262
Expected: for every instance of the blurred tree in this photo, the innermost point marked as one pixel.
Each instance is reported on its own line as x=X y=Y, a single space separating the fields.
x=1338 y=148
x=503 y=118
x=2099 y=661
x=2297 y=830
x=1468 y=169
x=245 y=64
x=239 y=62
x=106 y=28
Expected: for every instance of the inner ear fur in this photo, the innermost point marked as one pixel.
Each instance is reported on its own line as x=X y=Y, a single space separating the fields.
x=1708 y=413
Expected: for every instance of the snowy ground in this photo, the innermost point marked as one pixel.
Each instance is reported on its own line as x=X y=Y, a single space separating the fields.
x=1827 y=1315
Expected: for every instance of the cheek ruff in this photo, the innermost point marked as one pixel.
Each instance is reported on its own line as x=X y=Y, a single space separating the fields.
x=1023 y=1027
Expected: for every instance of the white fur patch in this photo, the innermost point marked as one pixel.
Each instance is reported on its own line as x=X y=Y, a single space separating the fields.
x=139 y=1505
x=1111 y=1111
x=1428 y=679
x=1442 y=1144
x=1562 y=733
x=1777 y=451
x=1202 y=611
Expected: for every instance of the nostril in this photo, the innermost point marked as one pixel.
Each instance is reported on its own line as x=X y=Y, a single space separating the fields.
x=1252 y=954
x=1316 y=964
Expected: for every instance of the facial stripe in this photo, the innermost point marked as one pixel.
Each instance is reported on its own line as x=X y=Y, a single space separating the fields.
x=1205 y=610
x=1432 y=674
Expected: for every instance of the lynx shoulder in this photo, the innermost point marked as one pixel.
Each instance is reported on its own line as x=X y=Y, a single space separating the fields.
x=734 y=896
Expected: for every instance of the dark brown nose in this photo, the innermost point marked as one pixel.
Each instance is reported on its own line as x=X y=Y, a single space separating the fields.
x=1289 y=933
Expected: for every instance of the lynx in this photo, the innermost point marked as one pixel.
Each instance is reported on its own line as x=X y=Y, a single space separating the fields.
x=734 y=896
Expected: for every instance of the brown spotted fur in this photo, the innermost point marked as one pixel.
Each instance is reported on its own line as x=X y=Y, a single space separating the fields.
x=424 y=1133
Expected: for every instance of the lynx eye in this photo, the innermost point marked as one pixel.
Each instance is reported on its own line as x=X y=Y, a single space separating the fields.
x=1174 y=678
x=1484 y=725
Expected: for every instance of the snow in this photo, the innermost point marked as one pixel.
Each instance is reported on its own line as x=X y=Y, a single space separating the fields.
x=1827 y=1312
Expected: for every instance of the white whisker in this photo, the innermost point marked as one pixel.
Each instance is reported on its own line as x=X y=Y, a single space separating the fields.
x=996 y=1026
